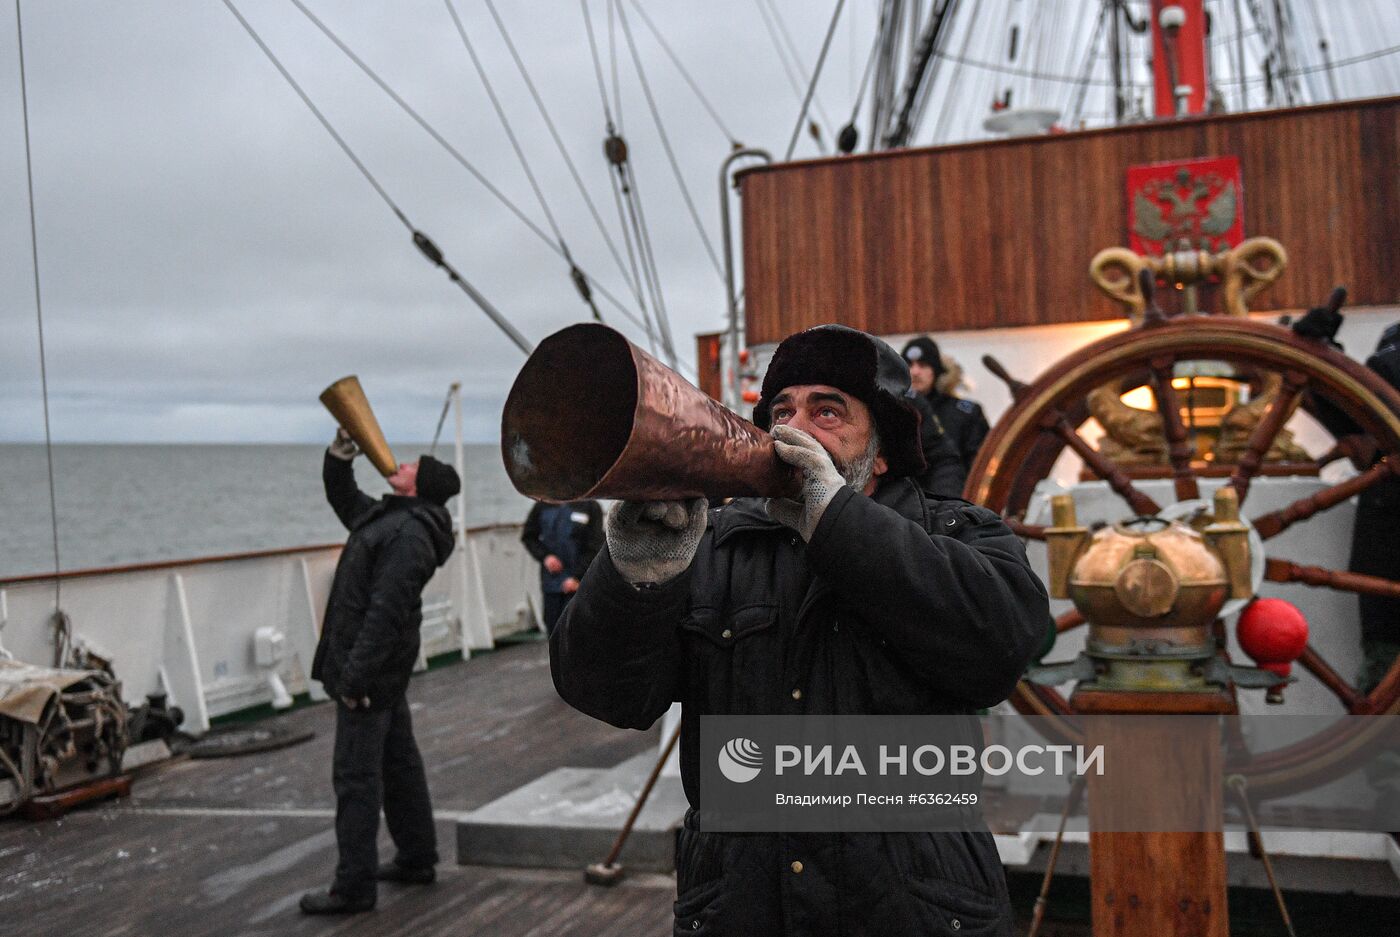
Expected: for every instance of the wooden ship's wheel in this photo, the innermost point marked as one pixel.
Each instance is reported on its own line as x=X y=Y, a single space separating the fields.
x=1049 y=416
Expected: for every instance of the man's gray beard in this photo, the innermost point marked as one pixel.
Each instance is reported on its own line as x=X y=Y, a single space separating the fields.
x=858 y=471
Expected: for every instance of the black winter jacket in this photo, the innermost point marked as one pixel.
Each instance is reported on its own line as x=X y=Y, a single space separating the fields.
x=898 y=605
x=945 y=475
x=370 y=636
x=963 y=421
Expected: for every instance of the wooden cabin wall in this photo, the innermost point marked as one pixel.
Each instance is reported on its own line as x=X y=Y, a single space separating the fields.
x=1000 y=233
x=708 y=367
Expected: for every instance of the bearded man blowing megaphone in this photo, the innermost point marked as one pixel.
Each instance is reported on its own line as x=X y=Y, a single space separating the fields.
x=859 y=595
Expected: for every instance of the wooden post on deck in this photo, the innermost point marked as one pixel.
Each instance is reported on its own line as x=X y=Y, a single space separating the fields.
x=1167 y=884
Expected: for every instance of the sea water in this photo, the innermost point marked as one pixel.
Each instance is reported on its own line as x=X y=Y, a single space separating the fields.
x=121 y=504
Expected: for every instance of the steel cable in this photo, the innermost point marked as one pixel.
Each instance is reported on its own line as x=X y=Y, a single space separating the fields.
x=454 y=152
x=694 y=86
x=420 y=240
x=554 y=133
x=816 y=74
x=38 y=313
x=666 y=145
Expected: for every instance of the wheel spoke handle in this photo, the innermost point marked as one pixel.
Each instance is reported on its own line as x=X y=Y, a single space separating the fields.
x=1169 y=409
x=1279 y=570
x=1261 y=440
x=1068 y=621
x=1276 y=522
x=1024 y=530
x=1017 y=388
x=1328 y=677
x=1101 y=465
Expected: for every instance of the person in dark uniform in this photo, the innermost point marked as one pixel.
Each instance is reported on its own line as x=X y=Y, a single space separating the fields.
x=1375 y=542
x=564 y=538
x=962 y=419
x=369 y=644
x=945 y=475
x=863 y=595
x=1375 y=535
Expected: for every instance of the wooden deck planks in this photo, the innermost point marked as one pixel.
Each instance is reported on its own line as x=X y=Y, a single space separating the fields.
x=226 y=847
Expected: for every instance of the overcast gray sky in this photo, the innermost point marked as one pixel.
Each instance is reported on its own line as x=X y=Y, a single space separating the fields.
x=210 y=260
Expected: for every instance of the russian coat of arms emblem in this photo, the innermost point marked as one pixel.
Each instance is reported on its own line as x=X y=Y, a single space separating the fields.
x=1195 y=204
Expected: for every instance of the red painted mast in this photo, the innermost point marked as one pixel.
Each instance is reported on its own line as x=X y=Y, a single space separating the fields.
x=1179 y=57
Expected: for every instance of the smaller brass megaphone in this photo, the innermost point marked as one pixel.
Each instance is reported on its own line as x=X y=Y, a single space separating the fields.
x=346 y=401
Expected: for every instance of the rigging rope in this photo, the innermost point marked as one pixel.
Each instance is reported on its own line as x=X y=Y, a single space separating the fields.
x=612 y=60
x=782 y=53
x=576 y=275
x=1076 y=111
x=675 y=60
x=618 y=184
x=666 y=145
x=796 y=57
x=505 y=122
x=39 y=316
x=558 y=140
x=860 y=93
x=615 y=149
x=644 y=247
x=340 y=141
x=450 y=149
x=597 y=63
x=442 y=418
x=816 y=74
x=420 y=240
x=1251 y=79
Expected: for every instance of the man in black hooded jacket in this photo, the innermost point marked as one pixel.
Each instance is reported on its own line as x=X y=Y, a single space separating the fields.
x=862 y=597
x=369 y=644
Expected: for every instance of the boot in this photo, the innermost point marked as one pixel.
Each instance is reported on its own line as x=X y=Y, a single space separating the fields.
x=405 y=874
x=330 y=902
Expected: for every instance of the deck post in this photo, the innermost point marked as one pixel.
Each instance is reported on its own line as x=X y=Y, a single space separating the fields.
x=309 y=634
x=185 y=682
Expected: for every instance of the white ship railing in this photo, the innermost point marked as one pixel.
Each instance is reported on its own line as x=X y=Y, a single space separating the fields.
x=221 y=634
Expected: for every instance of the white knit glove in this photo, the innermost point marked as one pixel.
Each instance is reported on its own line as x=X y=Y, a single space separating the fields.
x=654 y=541
x=343 y=447
x=820 y=481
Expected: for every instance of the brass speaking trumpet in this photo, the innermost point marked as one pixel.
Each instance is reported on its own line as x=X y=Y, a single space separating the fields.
x=346 y=401
x=593 y=416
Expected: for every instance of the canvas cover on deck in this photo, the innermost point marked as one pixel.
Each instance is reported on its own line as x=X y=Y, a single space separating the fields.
x=26 y=689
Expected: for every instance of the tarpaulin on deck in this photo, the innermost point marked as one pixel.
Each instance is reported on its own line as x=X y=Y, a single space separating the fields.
x=25 y=689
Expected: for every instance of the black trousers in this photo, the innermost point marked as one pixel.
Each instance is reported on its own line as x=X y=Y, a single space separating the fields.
x=376 y=764
x=554 y=604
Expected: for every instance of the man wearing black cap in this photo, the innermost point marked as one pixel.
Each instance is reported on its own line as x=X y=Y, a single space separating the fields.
x=369 y=644
x=963 y=420
x=861 y=596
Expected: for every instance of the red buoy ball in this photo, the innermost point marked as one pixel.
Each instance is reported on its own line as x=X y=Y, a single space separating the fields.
x=1274 y=633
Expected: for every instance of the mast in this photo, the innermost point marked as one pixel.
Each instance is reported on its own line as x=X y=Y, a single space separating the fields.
x=1115 y=42
x=919 y=73
x=1178 y=57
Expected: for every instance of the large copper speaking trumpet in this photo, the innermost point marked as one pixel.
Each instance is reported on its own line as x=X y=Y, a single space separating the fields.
x=593 y=416
x=346 y=401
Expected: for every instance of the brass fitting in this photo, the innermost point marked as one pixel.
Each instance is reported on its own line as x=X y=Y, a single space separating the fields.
x=1230 y=537
x=1063 y=540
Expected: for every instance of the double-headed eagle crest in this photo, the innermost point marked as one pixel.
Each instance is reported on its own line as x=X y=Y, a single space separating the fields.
x=1167 y=211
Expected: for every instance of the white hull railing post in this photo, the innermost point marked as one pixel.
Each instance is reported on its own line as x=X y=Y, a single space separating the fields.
x=473 y=614
x=462 y=592
x=308 y=635
x=184 y=682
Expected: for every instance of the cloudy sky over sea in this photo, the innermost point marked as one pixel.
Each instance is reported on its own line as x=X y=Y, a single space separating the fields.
x=210 y=260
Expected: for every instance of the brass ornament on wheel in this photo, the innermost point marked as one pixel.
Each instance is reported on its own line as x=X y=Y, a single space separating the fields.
x=1023 y=447
x=1244 y=271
